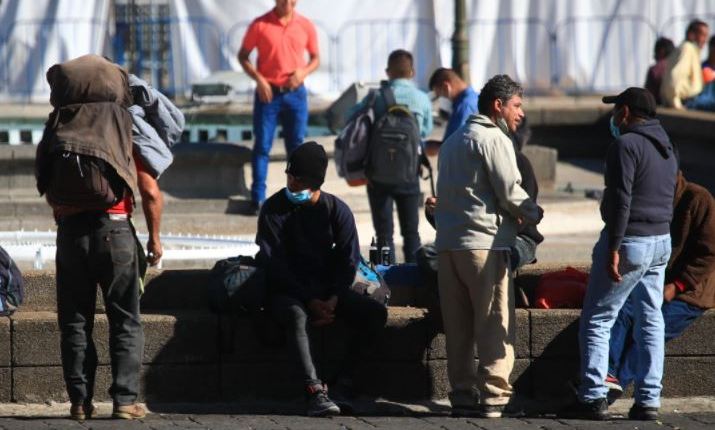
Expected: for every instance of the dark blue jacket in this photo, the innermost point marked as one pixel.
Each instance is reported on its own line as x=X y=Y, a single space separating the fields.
x=309 y=251
x=641 y=171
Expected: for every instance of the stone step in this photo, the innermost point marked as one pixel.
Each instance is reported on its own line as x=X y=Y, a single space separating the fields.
x=196 y=356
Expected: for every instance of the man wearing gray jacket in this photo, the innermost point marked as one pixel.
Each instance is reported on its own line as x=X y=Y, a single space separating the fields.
x=481 y=203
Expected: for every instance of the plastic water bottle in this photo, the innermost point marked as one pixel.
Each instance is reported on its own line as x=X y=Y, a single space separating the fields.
x=374 y=255
x=385 y=256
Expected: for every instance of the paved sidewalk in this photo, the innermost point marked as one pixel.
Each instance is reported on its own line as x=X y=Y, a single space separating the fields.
x=220 y=422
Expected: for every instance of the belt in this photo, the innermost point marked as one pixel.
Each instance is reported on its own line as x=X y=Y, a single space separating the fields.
x=94 y=215
x=118 y=217
x=280 y=90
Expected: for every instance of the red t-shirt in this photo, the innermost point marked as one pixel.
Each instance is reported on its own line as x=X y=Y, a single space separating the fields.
x=125 y=206
x=281 y=48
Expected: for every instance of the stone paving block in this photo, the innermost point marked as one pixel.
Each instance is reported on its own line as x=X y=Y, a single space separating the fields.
x=42 y=384
x=691 y=342
x=438 y=347
x=689 y=376
x=181 y=338
x=5 y=341
x=186 y=383
x=5 y=384
x=554 y=332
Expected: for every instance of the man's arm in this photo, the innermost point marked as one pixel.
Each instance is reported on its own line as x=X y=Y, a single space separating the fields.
x=299 y=75
x=506 y=181
x=347 y=248
x=152 y=204
x=427 y=124
x=263 y=88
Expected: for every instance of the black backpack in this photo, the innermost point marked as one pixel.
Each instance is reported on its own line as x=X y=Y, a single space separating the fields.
x=12 y=287
x=236 y=286
x=395 y=147
x=83 y=181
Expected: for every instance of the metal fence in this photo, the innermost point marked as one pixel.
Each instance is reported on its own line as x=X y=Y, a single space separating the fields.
x=577 y=55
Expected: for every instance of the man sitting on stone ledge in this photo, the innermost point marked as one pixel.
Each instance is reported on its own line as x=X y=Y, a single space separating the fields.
x=689 y=281
x=309 y=246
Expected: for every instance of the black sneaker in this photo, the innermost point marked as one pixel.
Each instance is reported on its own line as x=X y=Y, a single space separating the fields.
x=319 y=404
x=596 y=410
x=464 y=403
x=343 y=395
x=643 y=413
x=491 y=411
x=615 y=390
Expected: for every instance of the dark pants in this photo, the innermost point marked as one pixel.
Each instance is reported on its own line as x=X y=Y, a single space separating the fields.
x=623 y=360
x=407 y=199
x=363 y=316
x=91 y=250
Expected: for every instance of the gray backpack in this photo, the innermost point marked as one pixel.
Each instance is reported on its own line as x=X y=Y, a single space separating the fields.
x=351 y=145
x=394 y=153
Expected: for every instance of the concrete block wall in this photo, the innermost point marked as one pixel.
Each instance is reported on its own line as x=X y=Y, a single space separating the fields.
x=191 y=355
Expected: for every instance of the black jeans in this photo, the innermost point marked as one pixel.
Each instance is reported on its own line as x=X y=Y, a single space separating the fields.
x=91 y=250
x=363 y=316
x=407 y=198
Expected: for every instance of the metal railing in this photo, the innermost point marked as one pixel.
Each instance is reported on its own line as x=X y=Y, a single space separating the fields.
x=578 y=54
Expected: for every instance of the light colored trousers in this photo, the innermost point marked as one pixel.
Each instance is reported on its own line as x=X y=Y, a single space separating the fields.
x=476 y=291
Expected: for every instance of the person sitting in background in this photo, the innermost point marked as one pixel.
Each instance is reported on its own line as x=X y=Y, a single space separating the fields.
x=663 y=48
x=689 y=281
x=709 y=64
x=683 y=77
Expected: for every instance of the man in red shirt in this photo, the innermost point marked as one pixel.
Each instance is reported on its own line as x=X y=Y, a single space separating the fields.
x=282 y=37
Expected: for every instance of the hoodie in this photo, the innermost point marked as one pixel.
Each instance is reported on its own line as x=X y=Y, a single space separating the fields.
x=640 y=183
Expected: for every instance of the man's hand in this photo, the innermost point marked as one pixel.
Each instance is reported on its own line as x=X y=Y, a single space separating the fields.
x=265 y=93
x=154 y=252
x=669 y=292
x=431 y=205
x=296 y=79
x=614 y=259
x=322 y=312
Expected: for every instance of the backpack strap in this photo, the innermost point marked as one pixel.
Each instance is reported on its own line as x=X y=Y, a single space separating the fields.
x=388 y=95
x=371 y=97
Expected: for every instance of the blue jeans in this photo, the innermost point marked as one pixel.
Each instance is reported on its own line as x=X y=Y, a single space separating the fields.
x=642 y=266
x=623 y=358
x=292 y=110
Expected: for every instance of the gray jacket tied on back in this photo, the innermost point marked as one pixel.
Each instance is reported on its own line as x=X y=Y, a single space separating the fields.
x=479 y=190
x=156 y=125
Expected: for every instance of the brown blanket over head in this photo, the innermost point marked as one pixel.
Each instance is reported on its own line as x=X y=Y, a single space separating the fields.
x=90 y=95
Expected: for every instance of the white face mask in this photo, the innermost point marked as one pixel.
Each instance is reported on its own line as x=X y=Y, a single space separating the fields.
x=503 y=126
x=444 y=104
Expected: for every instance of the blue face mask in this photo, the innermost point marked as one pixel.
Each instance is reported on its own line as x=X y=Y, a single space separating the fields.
x=615 y=131
x=298 y=197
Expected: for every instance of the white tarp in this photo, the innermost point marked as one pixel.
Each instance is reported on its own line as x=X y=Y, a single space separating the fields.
x=36 y=34
x=576 y=46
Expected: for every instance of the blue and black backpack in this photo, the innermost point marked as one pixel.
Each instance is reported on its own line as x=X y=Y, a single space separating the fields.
x=12 y=287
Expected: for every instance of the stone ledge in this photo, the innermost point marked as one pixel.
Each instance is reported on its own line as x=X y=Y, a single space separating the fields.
x=5 y=342
x=5 y=384
x=181 y=338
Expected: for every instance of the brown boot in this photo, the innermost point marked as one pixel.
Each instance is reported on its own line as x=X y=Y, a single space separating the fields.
x=134 y=411
x=83 y=412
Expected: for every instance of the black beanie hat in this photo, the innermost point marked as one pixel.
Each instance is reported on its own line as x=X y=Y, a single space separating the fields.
x=308 y=162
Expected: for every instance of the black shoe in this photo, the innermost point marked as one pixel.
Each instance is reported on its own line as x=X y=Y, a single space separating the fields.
x=596 y=410
x=643 y=413
x=343 y=394
x=319 y=404
x=464 y=403
x=491 y=411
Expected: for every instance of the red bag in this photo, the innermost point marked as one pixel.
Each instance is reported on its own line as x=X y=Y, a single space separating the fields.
x=563 y=289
